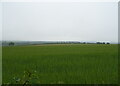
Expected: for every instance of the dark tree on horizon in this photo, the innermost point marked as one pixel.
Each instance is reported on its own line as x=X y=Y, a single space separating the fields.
x=11 y=44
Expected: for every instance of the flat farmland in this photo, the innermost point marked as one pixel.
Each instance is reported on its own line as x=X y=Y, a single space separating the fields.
x=62 y=63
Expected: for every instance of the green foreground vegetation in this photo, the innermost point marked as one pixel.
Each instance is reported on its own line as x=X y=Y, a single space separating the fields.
x=0 y=65
x=62 y=63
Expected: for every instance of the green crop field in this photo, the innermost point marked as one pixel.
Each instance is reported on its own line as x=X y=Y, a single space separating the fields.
x=62 y=63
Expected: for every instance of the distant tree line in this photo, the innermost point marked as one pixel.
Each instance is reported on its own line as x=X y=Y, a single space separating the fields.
x=102 y=43
x=77 y=42
x=64 y=42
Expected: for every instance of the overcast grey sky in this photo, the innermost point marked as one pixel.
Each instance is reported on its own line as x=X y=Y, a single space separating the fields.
x=56 y=21
x=0 y=21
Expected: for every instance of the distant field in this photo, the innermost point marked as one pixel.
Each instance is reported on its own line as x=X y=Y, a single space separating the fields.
x=65 y=63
